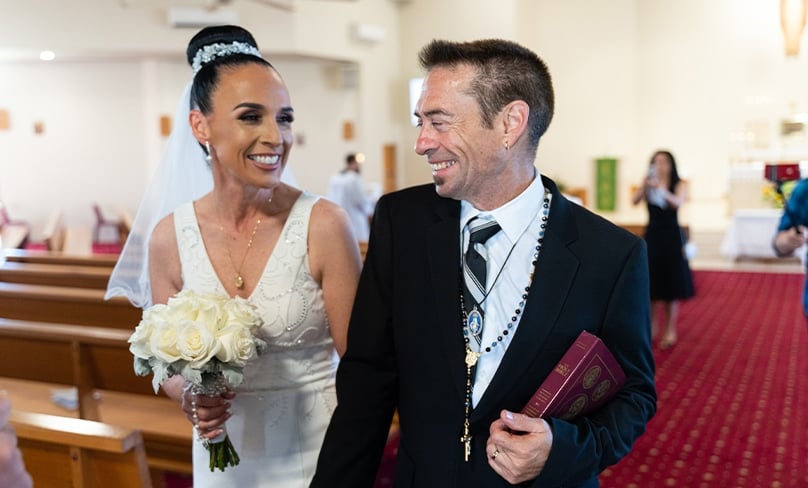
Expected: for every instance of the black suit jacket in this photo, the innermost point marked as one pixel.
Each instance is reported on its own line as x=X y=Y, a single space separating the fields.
x=406 y=349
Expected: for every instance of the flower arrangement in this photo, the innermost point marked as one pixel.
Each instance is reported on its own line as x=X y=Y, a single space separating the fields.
x=206 y=338
x=778 y=198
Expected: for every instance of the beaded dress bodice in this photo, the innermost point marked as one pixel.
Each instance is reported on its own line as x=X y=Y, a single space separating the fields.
x=282 y=408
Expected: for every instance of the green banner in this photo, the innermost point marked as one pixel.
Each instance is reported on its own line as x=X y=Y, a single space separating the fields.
x=605 y=183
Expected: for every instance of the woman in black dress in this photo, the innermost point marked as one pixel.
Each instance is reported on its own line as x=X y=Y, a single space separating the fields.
x=671 y=281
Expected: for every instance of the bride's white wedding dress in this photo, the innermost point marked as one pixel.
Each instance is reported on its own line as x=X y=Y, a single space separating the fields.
x=283 y=407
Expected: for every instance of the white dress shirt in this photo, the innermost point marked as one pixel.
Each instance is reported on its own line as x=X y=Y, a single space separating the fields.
x=520 y=220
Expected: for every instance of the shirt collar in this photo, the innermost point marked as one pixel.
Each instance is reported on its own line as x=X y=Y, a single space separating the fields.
x=510 y=216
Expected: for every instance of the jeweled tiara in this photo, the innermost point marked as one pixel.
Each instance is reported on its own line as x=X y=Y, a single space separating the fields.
x=217 y=50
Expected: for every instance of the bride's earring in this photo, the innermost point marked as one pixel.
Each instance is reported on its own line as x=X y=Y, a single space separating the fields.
x=207 y=150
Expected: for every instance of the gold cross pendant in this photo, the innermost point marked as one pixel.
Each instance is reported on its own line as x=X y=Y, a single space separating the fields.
x=466 y=440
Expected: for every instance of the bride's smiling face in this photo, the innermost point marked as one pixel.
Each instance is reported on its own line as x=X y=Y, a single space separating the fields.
x=249 y=128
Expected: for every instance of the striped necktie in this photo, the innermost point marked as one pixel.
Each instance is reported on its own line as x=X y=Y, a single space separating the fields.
x=474 y=274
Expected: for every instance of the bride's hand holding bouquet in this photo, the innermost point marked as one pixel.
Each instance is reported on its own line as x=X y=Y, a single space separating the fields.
x=208 y=339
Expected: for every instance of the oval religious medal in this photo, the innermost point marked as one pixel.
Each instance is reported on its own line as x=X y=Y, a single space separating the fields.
x=475 y=321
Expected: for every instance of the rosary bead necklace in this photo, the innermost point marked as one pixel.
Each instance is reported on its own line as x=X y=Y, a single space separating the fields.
x=472 y=356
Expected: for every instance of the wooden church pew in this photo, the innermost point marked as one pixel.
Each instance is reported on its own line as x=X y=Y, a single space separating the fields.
x=167 y=434
x=87 y=357
x=41 y=358
x=79 y=276
x=80 y=306
x=64 y=452
x=51 y=257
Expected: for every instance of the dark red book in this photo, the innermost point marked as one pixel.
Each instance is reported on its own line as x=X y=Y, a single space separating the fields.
x=587 y=376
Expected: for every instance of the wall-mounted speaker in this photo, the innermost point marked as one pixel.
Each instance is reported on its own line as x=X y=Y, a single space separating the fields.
x=369 y=33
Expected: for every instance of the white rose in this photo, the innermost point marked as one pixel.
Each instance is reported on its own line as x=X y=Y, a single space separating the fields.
x=153 y=312
x=139 y=344
x=181 y=306
x=210 y=312
x=197 y=344
x=198 y=307
x=238 y=346
x=140 y=340
x=240 y=312
x=163 y=342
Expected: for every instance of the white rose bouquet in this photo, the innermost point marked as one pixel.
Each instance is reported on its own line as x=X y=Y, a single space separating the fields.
x=206 y=338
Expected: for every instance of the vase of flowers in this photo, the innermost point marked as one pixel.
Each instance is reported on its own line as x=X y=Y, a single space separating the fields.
x=776 y=193
x=206 y=338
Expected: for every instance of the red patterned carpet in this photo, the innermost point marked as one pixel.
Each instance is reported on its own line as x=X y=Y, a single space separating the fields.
x=733 y=393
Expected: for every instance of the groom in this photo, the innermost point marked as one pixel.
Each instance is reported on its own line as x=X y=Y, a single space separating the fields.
x=550 y=269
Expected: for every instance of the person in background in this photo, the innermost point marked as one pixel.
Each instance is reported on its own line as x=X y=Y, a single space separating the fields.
x=347 y=190
x=472 y=290
x=12 y=465
x=289 y=253
x=791 y=231
x=671 y=279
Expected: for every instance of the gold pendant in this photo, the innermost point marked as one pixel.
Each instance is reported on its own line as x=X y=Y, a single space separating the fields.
x=471 y=357
x=239 y=282
x=466 y=440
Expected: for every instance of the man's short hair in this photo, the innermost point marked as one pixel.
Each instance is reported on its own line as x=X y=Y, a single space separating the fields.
x=506 y=72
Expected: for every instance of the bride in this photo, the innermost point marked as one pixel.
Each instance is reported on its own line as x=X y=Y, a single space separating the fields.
x=289 y=253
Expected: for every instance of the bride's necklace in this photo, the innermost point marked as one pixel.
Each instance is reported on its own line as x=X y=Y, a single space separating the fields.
x=239 y=279
x=472 y=356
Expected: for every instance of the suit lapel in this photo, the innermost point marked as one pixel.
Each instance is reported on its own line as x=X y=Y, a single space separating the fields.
x=444 y=257
x=552 y=279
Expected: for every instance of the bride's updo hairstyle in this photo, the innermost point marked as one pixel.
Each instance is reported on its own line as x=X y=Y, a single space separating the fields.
x=213 y=49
